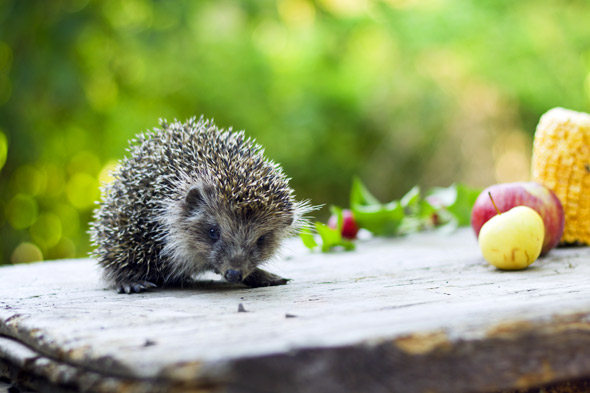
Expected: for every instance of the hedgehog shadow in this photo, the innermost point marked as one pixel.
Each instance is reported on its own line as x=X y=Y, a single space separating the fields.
x=203 y=284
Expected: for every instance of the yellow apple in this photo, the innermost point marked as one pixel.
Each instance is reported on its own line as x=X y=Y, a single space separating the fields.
x=514 y=239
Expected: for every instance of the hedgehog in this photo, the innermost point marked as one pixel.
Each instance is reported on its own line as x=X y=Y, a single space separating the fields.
x=191 y=198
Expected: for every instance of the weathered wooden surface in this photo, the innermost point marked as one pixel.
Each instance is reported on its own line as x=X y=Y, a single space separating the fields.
x=419 y=314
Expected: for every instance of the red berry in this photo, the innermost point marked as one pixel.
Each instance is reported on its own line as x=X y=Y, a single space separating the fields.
x=349 y=227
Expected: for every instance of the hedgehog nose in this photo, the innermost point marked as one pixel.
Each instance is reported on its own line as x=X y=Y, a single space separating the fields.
x=233 y=276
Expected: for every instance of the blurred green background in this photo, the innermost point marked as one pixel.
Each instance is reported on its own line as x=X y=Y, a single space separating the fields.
x=399 y=92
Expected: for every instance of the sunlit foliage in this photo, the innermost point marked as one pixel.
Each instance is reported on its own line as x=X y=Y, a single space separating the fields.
x=399 y=92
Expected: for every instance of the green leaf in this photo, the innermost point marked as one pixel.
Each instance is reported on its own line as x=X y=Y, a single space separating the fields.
x=308 y=239
x=329 y=237
x=463 y=204
x=347 y=245
x=412 y=198
x=426 y=210
x=337 y=211
x=456 y=199
x=442 y=196
x=410 y=224
x=360 y=195
x=370 y=214
x=379 y=219
x=332 y=238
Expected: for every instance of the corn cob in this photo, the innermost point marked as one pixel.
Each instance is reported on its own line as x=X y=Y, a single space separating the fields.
x=561 y=161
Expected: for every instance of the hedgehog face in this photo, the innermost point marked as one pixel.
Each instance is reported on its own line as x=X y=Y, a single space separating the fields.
x=233 y=241
x=240 y=245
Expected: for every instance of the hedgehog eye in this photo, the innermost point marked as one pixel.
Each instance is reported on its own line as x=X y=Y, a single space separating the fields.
x=214 y=234
x=261 y=240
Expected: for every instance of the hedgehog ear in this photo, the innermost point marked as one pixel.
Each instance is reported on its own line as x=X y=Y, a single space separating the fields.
x=194 y=199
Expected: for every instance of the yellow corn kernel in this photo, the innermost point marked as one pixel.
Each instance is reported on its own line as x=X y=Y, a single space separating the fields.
x=561 y=161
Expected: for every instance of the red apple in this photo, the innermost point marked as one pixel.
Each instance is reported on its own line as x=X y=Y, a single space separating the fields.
x=531 y=194
x=349 y=227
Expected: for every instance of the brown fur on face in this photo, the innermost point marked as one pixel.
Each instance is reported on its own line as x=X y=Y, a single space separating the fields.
x=206 y=233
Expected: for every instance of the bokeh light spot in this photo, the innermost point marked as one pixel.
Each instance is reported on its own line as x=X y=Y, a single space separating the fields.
x=106 y=173
x=65 y=248
x=3 y=149
x=346 y=7
x=82 y=190
x=26 y=252
x=413 y=3
x=101 y=91
x=94 y=49
x=55 y=180
x=85 y=162
x=30 y=180
x=70 y=219
x=129 y=14
x=512 y=152
x=270 y=37
x=47 y=230
x=369 y=49
x=297 y=13
x=22 y=211
x=218 y=21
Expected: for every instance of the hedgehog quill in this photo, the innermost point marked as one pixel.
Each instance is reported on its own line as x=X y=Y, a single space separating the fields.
x=191 y=198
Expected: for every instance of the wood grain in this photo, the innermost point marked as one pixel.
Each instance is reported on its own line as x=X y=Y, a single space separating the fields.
x=423 y=313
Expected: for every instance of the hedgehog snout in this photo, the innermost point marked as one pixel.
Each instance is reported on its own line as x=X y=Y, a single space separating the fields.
x=233 y=275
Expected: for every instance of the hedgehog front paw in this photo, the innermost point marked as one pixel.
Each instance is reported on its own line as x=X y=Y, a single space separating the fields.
x=262 y=278
x=130 y=287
